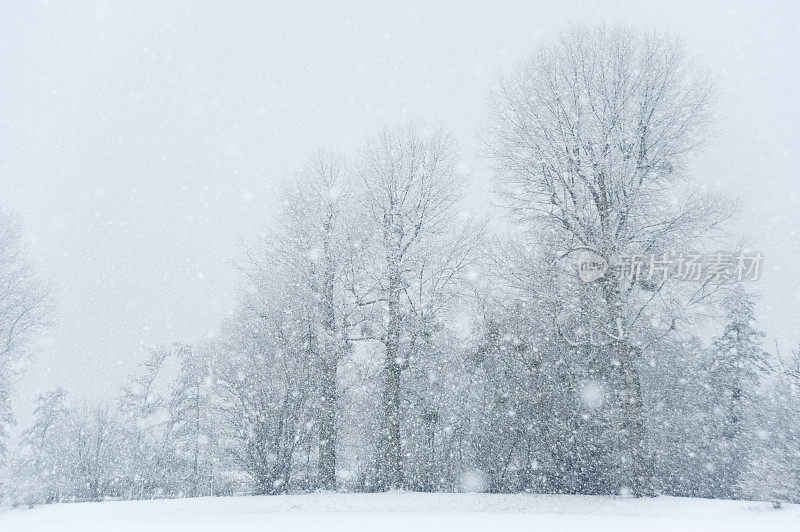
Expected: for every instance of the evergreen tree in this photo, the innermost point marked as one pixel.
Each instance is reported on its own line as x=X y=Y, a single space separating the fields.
x=738 y=363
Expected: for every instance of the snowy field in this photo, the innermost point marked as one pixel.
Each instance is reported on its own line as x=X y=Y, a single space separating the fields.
x=406 y=511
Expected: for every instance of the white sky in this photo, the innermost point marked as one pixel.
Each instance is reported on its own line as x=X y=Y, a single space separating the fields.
x=140 y=145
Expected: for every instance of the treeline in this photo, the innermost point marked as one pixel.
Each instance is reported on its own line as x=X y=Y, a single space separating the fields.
x=387 y=339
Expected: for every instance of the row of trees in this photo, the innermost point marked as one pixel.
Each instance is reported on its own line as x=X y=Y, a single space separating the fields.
x=386 y=339
x=504 y=412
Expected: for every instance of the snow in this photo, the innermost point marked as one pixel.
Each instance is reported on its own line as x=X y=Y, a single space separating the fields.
x=406 y=511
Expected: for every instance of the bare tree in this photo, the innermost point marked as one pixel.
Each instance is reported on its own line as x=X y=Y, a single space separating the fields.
x=70 y=453
x=590 y=139
x=411 y=188
x=313 y=240
x=25 y=309
x=192 y=422
x=263 y=373
x=138 y=398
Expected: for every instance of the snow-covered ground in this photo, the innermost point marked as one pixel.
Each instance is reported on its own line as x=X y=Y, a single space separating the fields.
x=406 y=511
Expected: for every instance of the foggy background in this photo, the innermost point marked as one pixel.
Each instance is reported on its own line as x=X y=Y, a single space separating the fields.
x=141 y=145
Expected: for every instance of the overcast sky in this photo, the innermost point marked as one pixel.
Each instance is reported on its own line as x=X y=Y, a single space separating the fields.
x=140 y=145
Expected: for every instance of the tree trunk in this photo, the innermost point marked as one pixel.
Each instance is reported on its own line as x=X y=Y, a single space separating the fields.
x=393 y=459
x=391 y=470
x=330 y=361
x=327 y=429
x=631 y=396
x=634 y=425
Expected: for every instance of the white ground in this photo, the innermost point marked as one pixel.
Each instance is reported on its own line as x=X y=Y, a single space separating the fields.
x=406 y=511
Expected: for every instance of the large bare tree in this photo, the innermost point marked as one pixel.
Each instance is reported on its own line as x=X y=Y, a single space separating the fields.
x=314 y=239
x=590 y=139
x=411 y=187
